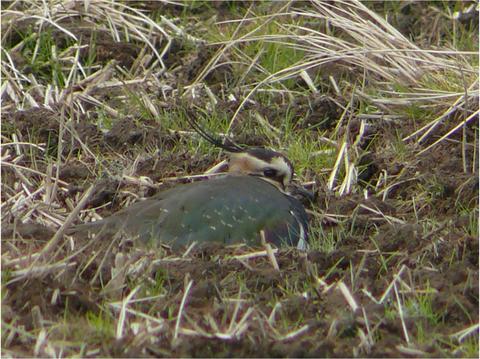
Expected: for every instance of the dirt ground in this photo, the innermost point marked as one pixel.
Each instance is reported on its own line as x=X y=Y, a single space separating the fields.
x=393 y=262
x=442 y=262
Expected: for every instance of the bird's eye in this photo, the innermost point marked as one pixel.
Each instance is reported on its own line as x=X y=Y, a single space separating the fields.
x=270 y=172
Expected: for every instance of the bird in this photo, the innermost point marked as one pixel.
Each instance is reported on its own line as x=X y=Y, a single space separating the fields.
x=249 y=204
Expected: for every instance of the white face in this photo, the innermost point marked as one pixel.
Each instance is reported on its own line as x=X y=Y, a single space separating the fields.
x=277 y=170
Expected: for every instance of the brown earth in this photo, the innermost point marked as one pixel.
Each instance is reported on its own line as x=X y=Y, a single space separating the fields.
x=438 y=263
x=443 y=262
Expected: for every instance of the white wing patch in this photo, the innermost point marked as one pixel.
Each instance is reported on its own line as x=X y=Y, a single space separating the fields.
x=302 y=241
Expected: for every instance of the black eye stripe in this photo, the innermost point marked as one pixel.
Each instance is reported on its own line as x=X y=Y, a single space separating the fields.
x=270 y=172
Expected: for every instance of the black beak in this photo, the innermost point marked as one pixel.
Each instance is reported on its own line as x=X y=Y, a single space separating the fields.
x=300 y=193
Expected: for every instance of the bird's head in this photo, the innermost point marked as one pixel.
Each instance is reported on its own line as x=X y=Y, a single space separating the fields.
x=267 y=164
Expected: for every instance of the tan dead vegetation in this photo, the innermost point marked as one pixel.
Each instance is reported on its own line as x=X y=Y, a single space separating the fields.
x=106 y=297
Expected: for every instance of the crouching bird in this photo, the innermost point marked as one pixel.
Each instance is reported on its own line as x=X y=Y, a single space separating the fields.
x=247 y=203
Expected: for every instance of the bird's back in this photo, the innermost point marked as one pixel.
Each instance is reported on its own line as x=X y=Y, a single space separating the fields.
x=231 y=209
